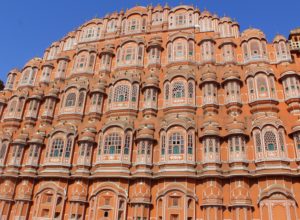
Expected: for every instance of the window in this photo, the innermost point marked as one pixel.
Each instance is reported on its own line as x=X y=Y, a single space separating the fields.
x=191 y=48
x=121 y=93
x=191 y=90
x=297 y=141
x=270 y=141
x=2 y=151
x=68 y=147
x=12 y=106
x=112 y=144
x=127 y=144
x=91 y=61
x=190 y=144
x=70 y=100
x=180 y=19
x=167 y=92
x=57 y=148
x=134 y=93
x=178 y=90
x=176 y=144
x=163 y=145
x=175 y=201
x=81 y=99
x=258 y=142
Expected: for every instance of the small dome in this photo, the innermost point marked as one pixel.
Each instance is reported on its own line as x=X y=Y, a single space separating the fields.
x=206 y=13
x=231 y=75
x=37 y=93
x=279 y=38
x=37 y=138
x=146 y=131
x=34 y=62
x=88 y=133
x=236 y=126
x=53 y=92
x=253 y=33
x=151 y=81
x=225 y=19
x=99 y=86
x=158 y=8
x=208 y=76
x=21 y=139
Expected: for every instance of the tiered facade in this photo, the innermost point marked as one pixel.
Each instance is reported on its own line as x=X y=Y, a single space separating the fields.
x=155 y=113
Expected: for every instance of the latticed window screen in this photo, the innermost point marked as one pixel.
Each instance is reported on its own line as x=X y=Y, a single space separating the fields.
x=112 y=144
x=142 y=147
x=81 y=99
x=70 y=100
x=191 y=89
x=190 y=144
x=176 y=144
x=167 y=90
x=270 y=141
x=57 y=148
x=258 y=142
x=134 y=93
x=297 y=140
x=121 y=93
x=163 y=145
x=2 y=150
x=262 y=84
x=68 y=147
x=91 y=61
x=12 y=106
x=178 y=90
x=127 y=144
x=281 y=139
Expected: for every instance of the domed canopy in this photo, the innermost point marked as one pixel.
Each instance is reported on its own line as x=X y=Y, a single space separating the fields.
x=279 y=38
x=99 y=86
x=88 y=134
x=151 y=81
x=253 y=33
x=145 y=131
x=235 y=126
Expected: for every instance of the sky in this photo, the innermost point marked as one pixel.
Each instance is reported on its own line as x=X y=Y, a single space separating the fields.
x=28 y=27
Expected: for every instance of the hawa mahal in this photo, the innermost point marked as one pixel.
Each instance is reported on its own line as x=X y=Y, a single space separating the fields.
x=154 y=113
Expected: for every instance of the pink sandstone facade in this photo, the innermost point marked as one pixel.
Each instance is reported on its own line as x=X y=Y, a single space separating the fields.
x=155 y=113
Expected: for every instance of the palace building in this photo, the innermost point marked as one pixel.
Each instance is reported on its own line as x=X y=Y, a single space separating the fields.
x=154 y=113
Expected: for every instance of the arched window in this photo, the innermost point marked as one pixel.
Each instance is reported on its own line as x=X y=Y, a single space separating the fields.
x=167 y=91
x=3 y=150
x=191 y=48
x=57 y=148
x=81 y=62
x=254 y=48
x=68 y=147
x=91 y=61
x=262 y=86
x=176 y=143
x=127 y=144
x=178 y=90
x=190 y=144
x=70 y=100
x=191 y=90
x=12 y=106
x=270 y=141
x=81 y=99
x=112 y=144
x=121 y=93
x=134 y=93
x=163 y=144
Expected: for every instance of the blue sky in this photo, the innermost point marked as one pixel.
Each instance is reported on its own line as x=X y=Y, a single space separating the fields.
x=28 y=27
